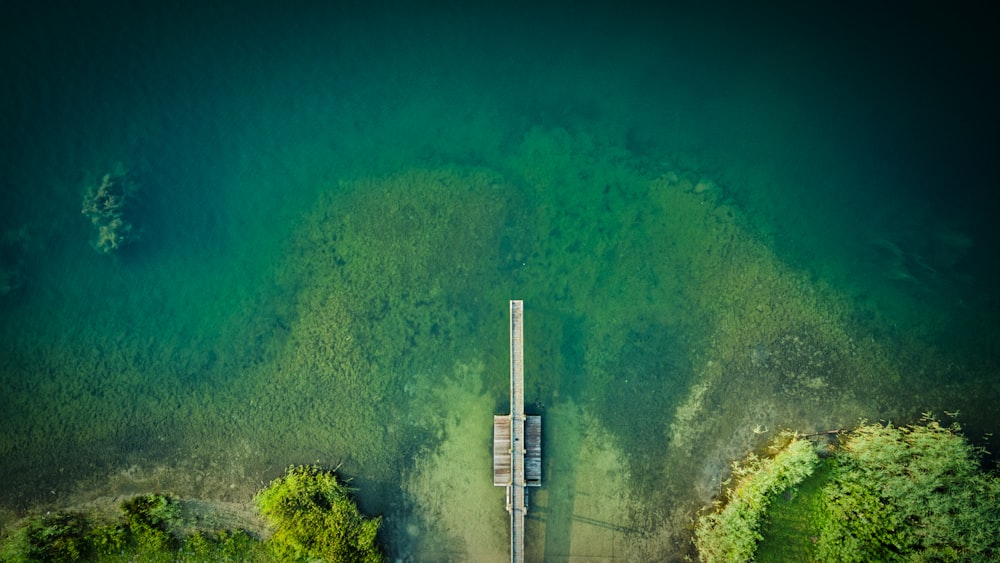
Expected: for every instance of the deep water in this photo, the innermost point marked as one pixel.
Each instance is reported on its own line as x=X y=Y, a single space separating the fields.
x=723 y=222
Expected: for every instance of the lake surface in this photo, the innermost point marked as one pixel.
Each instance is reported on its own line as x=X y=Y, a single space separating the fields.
x=723 y=223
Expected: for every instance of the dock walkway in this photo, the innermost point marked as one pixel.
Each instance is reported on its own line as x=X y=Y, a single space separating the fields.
x=517 y=441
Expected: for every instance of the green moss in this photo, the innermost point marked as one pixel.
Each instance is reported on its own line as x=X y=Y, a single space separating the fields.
x=791 y=532
x=731 y=533
x=315 y=519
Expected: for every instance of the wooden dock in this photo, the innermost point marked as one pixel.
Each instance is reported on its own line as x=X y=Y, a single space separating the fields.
x=517 y=441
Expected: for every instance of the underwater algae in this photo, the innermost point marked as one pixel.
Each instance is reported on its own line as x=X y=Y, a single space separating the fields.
x=670 y=192
x=672 y=257
x=382 y=282
x=612 y=248
x=747 y=344
x=664 y=339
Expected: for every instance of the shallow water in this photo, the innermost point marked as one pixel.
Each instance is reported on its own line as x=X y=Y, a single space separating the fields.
x=720 y=226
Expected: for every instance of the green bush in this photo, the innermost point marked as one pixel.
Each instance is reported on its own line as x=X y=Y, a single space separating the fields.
x=196 y=547
x=144 y=532
x=911 y=492
x=55 y=537
x=148 y=519
x=315 y=519
x=154 y=511
x=731 y=532
x=312 y=513
x=109 y=539
x=222 y=547
x=238 y=545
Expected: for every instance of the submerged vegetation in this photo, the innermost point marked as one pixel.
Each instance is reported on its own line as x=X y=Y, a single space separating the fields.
x=655 y=307
x=311 y=513
x=888 y=493
x=109 y=206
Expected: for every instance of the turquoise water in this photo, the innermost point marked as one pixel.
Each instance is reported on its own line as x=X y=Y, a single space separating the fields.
x=720 y=225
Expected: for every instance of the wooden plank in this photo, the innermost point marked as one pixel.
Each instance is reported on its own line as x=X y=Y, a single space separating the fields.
x=516 y=490
x=517 y=359
x=533 y=453
x=501 y=451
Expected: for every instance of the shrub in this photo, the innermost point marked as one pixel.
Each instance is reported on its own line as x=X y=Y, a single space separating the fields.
x=148 y=519
x=109 y=539
x=196 y=547
x=911 y=492
x=238 y=545
x=55 y=537
x=314 y=518
x=145 y=532
x=224 y=546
